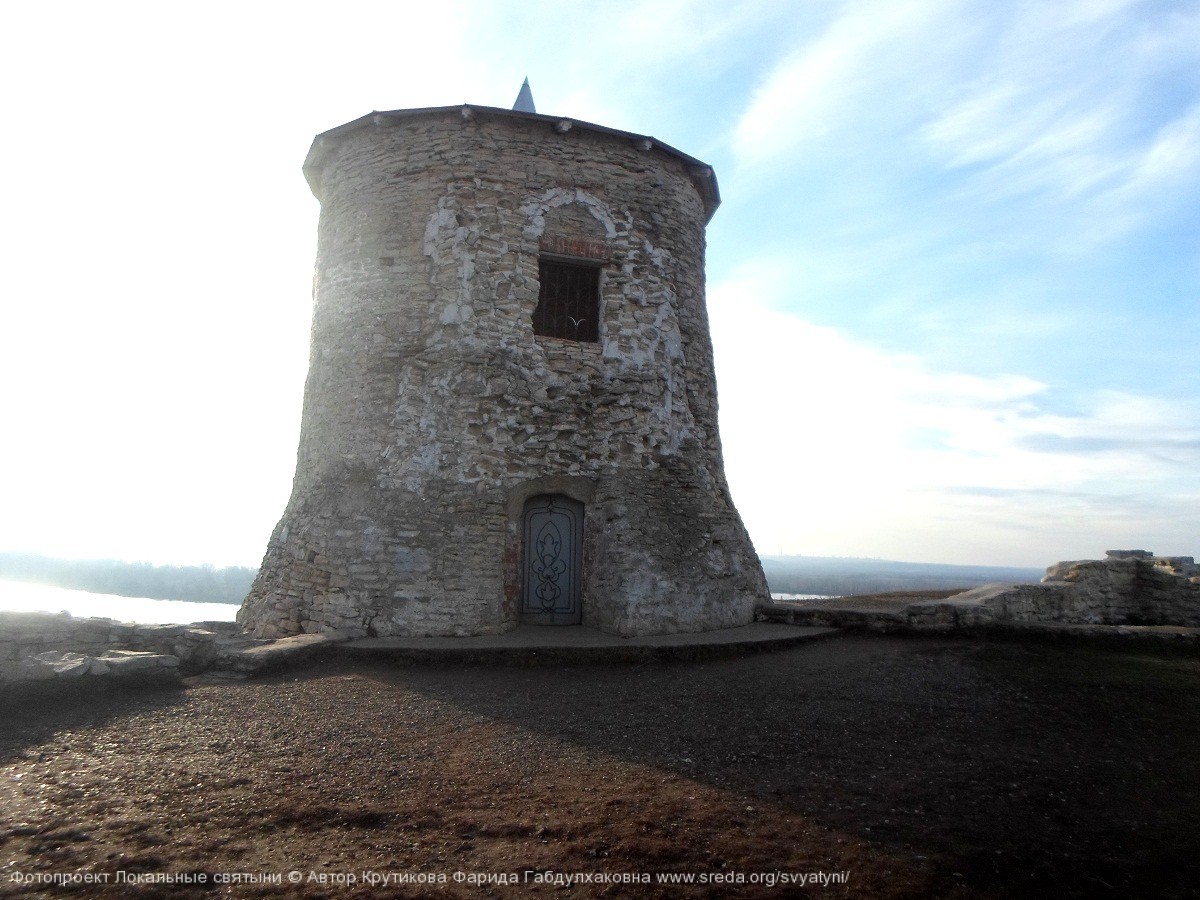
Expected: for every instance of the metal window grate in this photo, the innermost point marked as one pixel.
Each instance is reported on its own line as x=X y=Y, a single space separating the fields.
x=568 y=301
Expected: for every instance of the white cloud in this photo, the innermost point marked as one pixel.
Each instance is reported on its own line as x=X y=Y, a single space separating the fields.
x=816 y=89
x=833 y=446
x=1065 y=112
x=982 y=127
x=1050 y=113
x=1172 y=155
x=1028 y=145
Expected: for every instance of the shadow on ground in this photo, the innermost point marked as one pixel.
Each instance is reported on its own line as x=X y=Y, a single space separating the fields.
x=921 y=767
x=1036 y=768
x=34 y=717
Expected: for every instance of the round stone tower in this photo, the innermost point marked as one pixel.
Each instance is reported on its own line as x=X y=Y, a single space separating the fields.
x=511 y=414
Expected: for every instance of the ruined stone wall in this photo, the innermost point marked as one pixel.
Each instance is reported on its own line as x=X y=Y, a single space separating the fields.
x=25 y=634
x=36 y=646
x=1129 y=588
x=53 y=651
x=1126 y=588
x=432 y=411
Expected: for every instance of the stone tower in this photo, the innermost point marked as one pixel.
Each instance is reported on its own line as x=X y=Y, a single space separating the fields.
x=510 y=414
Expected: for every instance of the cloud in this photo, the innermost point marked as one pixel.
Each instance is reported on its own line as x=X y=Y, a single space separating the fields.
x=1029 y=146
x=834 y=445
x=1189 y=450
x=808 y=94
x=1066 y=112
x=1170 y=157
x=1050 y=115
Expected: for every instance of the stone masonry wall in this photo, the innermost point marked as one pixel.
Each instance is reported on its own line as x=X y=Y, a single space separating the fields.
x=25 y=634
x=40 y=650
x=36 y=647
x=432 y=411
x=1128 y=588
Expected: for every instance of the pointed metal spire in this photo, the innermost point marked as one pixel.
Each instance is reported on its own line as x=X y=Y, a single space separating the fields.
x=524 y=99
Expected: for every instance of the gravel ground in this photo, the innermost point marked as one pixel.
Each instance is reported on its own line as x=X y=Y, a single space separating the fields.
x=920 y=767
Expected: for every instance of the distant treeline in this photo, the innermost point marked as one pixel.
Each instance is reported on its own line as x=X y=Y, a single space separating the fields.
x=201 y=584
x=837 y=577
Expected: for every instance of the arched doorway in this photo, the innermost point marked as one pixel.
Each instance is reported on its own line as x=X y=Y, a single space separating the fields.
x=551 y=560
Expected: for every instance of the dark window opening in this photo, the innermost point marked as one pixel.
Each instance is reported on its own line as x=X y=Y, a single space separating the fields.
x=568 y=302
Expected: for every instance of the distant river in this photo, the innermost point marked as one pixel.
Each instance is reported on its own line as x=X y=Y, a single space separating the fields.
x=25 y=597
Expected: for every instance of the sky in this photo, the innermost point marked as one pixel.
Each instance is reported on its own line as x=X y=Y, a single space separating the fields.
x=954 y=282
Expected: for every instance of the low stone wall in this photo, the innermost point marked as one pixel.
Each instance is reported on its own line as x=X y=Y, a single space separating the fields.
x=1129 y=589
x=55 y=667
x=45 y=649
x=23 y=635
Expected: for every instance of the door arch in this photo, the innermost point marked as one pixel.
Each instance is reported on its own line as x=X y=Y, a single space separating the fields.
x=551 y=560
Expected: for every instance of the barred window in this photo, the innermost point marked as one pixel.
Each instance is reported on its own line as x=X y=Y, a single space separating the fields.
x=568 y=301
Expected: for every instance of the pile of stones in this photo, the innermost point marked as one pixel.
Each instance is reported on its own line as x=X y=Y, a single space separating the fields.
x=46 y=651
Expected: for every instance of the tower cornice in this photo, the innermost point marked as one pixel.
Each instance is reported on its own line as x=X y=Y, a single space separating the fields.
x=700 y=173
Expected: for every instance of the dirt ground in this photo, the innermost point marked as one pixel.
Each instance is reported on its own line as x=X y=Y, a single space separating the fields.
x=918 y=767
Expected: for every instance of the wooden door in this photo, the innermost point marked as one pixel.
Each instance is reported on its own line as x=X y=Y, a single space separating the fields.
x=552 y=568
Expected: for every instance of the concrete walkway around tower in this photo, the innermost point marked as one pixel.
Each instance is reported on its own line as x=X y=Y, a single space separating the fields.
x=542 y=645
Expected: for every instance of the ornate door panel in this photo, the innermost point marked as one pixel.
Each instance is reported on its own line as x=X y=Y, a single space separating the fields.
x=552 y=566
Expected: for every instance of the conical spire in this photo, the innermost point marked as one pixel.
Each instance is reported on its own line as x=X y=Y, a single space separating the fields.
x=524 y=99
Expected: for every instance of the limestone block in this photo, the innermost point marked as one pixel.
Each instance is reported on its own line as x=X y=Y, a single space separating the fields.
x=266 y=655
x=133 y=662
x=65 y=665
